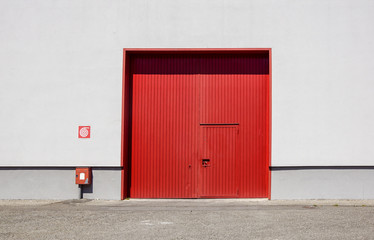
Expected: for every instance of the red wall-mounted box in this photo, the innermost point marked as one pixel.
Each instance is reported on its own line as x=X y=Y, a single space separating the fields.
x=83 y=176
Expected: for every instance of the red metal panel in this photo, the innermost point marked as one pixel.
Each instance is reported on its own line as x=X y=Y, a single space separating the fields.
x=173 y=93
x=218 y=162
x=234 y=89
x=165 y=126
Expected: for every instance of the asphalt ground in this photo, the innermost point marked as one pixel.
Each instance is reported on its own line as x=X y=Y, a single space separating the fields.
x=186 y=219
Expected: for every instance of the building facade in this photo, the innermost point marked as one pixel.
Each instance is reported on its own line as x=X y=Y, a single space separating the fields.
x=282 y=90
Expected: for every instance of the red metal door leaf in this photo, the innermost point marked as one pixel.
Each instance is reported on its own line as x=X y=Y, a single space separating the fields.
x=218 y=148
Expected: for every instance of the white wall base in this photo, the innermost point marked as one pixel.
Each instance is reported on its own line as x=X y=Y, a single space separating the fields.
x=286 y=183
x=57 y=183
x=338 y=183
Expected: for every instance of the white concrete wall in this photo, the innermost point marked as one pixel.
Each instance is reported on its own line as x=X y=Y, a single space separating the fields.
x=61 y=67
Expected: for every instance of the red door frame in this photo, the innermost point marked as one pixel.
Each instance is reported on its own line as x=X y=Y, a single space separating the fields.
x=127 y=99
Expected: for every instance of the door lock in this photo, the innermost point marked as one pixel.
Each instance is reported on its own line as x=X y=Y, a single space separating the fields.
x=205 y=162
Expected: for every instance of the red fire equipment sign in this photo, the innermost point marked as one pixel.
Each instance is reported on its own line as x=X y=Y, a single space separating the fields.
x=84 y=132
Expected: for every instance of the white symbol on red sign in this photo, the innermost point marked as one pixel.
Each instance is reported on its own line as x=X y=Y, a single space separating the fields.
x=84 y=132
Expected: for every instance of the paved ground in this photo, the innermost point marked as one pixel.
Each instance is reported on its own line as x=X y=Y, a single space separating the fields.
x=187 y=219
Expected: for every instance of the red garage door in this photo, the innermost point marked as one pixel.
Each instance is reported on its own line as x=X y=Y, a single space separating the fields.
x=199 y=125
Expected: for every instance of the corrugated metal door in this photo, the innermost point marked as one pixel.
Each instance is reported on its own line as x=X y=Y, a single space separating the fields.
x=218 y=162
x=164 y=126
x=176 y=99
x=234 y=89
